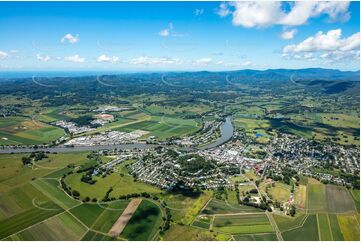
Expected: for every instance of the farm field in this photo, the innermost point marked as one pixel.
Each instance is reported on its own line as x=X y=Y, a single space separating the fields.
x=308 y=231
x=164 y=127
x=238 y=224
x=216 y=206
x=21 y=130
x=350 y=227
x=356 y=197
x=60 y=227
x=94 y=236
x=286 y=223
x=339 y=200
x=256 y=237
x=324 y=227
x=316 y=197
x=180 y=233
x=146 y=219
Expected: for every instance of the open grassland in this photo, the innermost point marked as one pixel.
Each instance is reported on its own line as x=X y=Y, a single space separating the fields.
x=27 y=218
x=237 y=224
x=61 y=227
x=21 y=130
x=339 y=200
x=178 y=232
x=144 y=223
x=316 y=197
x=285 y=223
x=324 y=227
x=350 y=227
x=308 y=231
x=52 y=189
x=278 y=191
x=216 y=206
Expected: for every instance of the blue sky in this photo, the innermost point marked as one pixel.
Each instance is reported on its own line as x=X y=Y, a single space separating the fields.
x=163 y=36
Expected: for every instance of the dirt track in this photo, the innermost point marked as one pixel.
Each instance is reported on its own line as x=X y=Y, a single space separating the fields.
x=122 y=221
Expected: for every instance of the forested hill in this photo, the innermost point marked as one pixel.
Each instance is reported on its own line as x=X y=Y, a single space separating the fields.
x=188 y=85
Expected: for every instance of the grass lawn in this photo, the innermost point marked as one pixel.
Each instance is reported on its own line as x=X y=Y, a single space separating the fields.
x=301 y=196
x=144 y=223
x=279 y=192
x=307 y=232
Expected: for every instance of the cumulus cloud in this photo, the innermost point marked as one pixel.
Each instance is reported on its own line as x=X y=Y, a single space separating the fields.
x=198 y=12
x=146 y=60
x=70 y=39
x=267 y=13
x=75 y=58
x=326 y=42
x=288 y=34
x=44 y=58
x=203 y=61
x=3 y=55
x=328 y=45
x=109 y=59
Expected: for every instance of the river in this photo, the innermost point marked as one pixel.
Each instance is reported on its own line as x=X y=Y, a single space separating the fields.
x=226 y=134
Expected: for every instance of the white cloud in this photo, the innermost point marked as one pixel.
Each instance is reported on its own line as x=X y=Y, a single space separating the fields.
x=44 y=58
x=223 y=10
x=203 y=61
x=267 y=13
x=75 y=58
x=166 y=32
x=198 y=12
x=145 y=60
x=326 y=42
x=70 y=39
x=110 y=59
x=3 y=55
x=288 y=34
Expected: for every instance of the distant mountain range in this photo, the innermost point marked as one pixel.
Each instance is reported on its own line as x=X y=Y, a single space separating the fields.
x=270 y=74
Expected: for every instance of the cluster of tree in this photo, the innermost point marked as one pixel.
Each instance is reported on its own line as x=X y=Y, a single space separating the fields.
x=88 y=177
x=36 y=156
x=106 y=197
